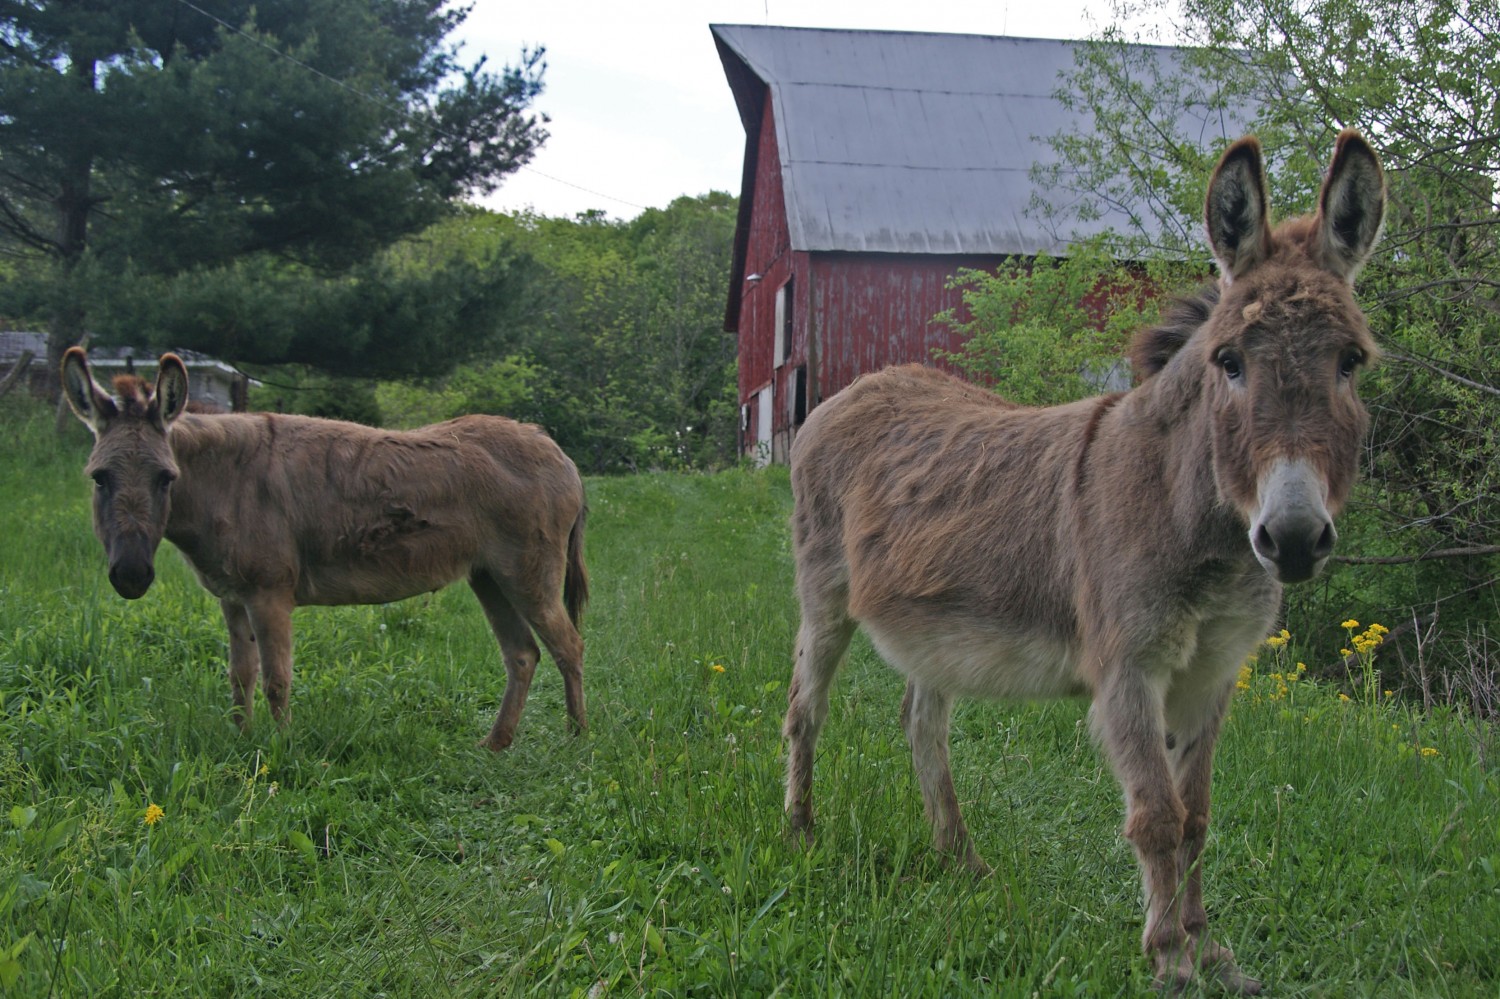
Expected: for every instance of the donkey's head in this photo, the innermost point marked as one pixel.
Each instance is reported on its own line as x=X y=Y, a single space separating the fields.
x=1281 y=350
x=131 y=464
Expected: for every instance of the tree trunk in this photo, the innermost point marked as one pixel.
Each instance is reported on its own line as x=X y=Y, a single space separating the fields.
x=74 y=201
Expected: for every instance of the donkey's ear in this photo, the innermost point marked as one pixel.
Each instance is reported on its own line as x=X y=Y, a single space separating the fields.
x=1239 y=230
x=170 y=396
x=1351 y=207
x=90 y=402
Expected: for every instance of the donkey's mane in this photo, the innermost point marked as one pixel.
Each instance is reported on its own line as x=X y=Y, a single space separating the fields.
x=133 y=392
x=1156 y=345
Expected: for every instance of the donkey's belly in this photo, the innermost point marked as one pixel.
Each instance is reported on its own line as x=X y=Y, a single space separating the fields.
x=981 y=660
x=374 y=582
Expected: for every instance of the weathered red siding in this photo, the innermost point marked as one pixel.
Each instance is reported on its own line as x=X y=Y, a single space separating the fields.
x=874 y=310
x=769 y=255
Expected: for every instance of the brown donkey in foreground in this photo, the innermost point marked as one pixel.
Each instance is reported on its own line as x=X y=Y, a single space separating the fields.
x=1127 y=548
x=274 y=512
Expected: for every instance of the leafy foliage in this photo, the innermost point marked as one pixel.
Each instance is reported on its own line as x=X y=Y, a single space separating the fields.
x=614 y=341
x=1049 y=330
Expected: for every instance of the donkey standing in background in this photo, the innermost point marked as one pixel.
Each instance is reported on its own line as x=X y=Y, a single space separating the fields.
x=1129 y=548
x=274 y=512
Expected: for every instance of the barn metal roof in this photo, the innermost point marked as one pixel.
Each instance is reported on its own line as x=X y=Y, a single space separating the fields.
x=908 y=142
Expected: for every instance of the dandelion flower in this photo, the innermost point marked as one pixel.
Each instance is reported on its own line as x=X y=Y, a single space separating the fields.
x=153 y=815
x=717 y=668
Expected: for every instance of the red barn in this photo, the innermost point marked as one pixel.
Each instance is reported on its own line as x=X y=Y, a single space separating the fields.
x=877 y=164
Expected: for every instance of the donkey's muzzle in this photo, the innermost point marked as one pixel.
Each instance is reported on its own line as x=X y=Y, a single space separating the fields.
x=1292 y=534
x=131 y=580
x=131 y=568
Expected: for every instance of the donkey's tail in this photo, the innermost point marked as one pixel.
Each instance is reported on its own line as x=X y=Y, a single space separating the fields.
x=576 y=582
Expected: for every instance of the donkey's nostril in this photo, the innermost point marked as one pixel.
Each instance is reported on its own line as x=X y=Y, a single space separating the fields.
x=1264 y=544
x=1324 y=546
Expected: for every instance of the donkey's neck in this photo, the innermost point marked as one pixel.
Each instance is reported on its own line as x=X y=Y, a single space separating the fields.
x=1169 y=411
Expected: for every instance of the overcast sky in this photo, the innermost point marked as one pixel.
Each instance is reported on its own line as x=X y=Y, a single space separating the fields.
x=640 y=109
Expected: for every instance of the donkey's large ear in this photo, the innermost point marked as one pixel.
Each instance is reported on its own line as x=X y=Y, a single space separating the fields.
x=90 y=402
x=170 y=397
x=1351 y=207
x=1239 y=230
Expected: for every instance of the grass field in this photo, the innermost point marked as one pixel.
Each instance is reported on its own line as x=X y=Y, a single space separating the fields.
x=370 y=849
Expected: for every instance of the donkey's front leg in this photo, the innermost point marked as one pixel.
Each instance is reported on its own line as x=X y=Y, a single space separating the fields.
x=1194 y=718
x=1128 y=714
x=271 y=620
x=244 y=660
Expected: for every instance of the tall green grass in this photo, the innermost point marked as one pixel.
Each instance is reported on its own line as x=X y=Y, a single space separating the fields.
x=371 y=849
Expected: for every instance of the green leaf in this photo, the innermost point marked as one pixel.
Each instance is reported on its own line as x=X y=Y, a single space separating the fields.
x=555 y=846
x=654 y=941
x=21 y=817
x=303 y=844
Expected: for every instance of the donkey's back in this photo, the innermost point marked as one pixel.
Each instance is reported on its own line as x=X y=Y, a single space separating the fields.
x=344 y=513
x=918 y=498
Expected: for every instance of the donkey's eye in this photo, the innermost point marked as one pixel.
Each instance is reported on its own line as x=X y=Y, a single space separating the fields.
x=1350 y=363
x=101 y=479
x=164 y=480
x=1233 y=368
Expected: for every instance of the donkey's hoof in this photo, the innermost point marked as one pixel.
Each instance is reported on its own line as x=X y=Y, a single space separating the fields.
x=1176 y=970
x=495 y=743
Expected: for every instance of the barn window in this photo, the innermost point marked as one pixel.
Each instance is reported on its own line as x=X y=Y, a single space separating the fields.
x=799 y=396
x=783 y=323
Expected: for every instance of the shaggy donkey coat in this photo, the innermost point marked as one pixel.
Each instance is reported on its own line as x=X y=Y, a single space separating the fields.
x=273 y=512
x=1128 y=548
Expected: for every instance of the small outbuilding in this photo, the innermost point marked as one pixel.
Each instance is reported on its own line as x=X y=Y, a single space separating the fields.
x=877 y=164
x=210 y=380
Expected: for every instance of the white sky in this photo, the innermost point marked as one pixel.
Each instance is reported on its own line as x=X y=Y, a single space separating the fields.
x=641 y=112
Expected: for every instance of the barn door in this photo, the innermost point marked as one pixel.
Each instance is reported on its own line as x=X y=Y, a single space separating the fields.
x=763 y=414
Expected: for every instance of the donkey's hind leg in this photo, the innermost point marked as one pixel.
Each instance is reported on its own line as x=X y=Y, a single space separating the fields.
x=821 y=642
x=925 y=712
x=520 y=653
x=559 y=636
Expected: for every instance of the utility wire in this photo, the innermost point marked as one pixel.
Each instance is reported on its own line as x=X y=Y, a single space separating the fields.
x=365 y=96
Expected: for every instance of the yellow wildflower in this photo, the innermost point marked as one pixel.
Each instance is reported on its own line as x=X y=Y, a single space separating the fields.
x=717 y=668
x=1344 y=698
x=1351 y=623
x=1388 y=693
x=1302 y=667
x=1275 y=641
x=265 y=768
x=1346 y=653
x=153 y=815
x=1429 y=751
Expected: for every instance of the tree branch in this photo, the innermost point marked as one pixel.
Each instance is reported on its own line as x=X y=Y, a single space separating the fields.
x=1451 y=376
x=1474 y=551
